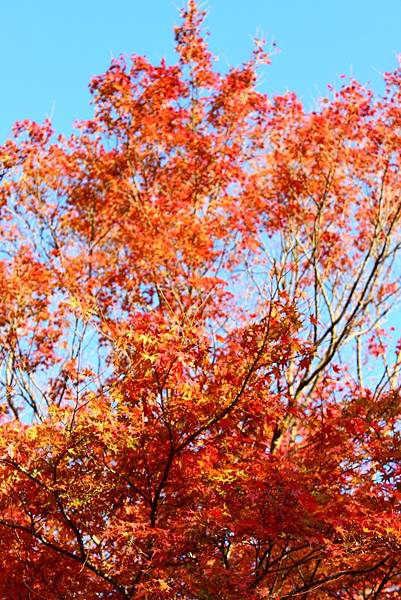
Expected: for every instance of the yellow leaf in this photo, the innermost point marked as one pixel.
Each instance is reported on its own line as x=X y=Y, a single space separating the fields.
x=163 y=585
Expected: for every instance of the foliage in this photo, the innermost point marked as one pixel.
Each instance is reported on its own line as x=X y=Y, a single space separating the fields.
x=199 y=397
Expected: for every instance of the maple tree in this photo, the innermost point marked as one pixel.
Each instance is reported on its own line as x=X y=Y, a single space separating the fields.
x=200 y=398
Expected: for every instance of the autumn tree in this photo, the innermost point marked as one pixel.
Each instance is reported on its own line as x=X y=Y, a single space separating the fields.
x=200 y=394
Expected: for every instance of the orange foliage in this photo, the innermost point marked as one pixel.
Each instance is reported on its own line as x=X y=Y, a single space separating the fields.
x=198 y=394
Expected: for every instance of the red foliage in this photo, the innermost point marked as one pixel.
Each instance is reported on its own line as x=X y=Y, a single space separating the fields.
x=198 y=397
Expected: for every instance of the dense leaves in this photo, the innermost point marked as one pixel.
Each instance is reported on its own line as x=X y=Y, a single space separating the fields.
x=200 y=397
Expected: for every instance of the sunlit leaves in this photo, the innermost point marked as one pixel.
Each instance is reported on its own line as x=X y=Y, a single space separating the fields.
x=200 y=397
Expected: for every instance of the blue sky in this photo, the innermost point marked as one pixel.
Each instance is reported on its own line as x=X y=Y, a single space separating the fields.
x=49 y=50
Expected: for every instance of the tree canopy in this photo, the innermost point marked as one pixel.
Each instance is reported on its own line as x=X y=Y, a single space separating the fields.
x=200 y=397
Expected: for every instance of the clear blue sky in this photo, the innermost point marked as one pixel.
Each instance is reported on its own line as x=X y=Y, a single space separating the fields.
x=49 y=49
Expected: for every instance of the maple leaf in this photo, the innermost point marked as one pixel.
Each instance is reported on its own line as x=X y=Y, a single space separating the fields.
x=199 y=395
